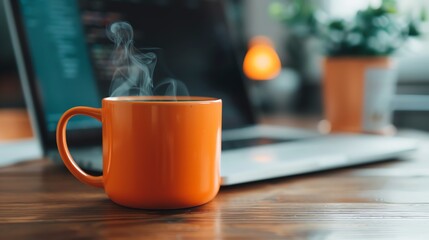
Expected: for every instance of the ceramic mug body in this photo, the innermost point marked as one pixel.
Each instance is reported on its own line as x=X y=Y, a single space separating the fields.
x=158 y=152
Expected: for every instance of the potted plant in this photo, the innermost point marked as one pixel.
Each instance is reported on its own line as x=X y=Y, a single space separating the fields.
x=359 y=79
x=358 y=70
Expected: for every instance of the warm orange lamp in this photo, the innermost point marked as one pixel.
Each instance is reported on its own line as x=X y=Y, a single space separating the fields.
x=261 y=61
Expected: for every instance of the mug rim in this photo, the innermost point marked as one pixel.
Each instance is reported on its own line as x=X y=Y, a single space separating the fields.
x=162 y=99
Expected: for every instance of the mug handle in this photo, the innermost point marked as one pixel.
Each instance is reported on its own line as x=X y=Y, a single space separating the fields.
x=96 y=181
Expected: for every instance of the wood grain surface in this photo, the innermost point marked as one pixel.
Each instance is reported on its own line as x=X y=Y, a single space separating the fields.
x=389 y=200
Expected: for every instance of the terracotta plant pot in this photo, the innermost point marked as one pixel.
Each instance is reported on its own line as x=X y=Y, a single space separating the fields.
x=357 y=93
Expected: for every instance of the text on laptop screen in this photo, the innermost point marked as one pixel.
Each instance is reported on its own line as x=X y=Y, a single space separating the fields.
x=71 y=54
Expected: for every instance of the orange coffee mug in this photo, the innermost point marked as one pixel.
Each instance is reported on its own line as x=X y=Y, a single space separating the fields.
x=158 y=152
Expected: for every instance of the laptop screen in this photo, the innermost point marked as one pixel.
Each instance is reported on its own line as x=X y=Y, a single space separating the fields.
x=70 y=54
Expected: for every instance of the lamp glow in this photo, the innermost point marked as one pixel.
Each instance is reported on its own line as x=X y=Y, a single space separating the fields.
x=261 y=61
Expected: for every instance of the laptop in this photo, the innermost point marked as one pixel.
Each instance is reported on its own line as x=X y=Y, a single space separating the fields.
x=64 y=60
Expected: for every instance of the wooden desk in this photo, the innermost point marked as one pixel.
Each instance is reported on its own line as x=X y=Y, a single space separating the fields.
x=40 y=201
x=387 y=200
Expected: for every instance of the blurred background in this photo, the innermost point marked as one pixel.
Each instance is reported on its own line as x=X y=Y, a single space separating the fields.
x=301 y=33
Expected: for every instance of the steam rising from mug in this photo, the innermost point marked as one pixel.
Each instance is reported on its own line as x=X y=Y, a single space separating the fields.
x=134 y=69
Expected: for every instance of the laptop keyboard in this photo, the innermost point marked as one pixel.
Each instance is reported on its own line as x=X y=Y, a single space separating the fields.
x=250 y=142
